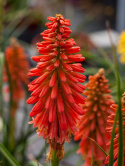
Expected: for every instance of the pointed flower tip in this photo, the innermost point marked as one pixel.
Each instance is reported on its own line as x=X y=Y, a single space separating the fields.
x=59 y=15
x=101 y=71
x=14 y=42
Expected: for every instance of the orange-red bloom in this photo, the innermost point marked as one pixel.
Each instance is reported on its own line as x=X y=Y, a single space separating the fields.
x=94 y=122
x=109 y=129
x=18 y=67
x=56 y=90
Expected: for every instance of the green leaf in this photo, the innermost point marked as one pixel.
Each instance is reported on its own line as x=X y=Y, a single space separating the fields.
x=119 y=111
x=96 y=144
x=111 y=152
x=8 y=156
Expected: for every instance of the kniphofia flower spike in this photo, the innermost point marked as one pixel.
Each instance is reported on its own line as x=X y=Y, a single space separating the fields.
x=109 y=129
x=15 y=74
x=94 y=122
x=18 y=68
x=56 y=90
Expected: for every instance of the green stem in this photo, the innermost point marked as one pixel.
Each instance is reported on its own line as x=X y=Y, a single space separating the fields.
x=12 y=131
x=55 y=160
x=11 y=120
x=121 y=136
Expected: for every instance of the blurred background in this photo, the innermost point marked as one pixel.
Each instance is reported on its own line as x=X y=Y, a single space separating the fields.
x=25 y=20
x=87 y=16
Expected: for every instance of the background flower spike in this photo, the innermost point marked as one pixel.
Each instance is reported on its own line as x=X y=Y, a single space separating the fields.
x=94 y=122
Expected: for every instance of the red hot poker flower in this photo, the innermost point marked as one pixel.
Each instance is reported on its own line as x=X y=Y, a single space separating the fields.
x=94 y=122
x=18 y=67
x=56 y=91
x=109 y=129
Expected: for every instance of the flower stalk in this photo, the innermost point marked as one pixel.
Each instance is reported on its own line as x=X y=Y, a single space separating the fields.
x=55 y=159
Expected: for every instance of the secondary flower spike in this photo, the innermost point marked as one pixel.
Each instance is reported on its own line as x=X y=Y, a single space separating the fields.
x=56 y=90
x=109 y=129
x=18 y=68
x=94 y=122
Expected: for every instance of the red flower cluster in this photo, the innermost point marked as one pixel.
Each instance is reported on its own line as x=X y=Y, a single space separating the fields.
x=109 y=129
x=56 y=90
x=18 y=67
x=94 y=122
